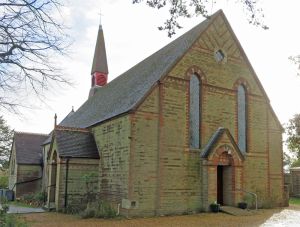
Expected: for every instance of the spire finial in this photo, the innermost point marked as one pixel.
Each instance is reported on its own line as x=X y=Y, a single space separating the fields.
x=72 y=108
x=55 y=120
x=100 y=14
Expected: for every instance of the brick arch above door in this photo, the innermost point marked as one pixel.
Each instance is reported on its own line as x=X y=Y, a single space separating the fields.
x=221 y=149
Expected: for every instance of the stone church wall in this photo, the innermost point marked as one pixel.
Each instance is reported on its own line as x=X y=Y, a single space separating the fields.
x=263 y=164
x=144 y=168
x=167 y=175
x=28 y=173
x=82 y=182
x=113 y=142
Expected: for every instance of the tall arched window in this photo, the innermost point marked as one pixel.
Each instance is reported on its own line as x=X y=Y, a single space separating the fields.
x=242 y=118
x=195 y=92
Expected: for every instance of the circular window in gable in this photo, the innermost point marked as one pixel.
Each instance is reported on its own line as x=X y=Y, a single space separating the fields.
x=220 y=56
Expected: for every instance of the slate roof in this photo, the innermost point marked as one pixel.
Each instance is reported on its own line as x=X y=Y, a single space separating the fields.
x=28 y=147
x=48 y=140
x=67 y=117
x=100 y=61
x=126 y=91
x=214 y=139
x=76 y=143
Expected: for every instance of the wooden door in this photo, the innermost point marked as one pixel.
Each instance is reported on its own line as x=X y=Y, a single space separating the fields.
x=220 y=184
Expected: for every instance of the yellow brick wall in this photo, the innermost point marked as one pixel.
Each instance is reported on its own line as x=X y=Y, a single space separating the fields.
x=28 y=173
x=113 y=142
x=46 y=167
x=166 y=174
x=144 y=176
x=21 y=173
x=81 y=171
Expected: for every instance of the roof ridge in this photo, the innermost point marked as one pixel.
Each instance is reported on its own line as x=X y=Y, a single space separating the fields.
x=169 y=44
x=136 y=82
x=30 y=133
x=74 y=129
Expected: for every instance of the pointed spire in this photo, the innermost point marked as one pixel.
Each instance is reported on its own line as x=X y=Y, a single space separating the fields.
x=100 y=62
x=99 y=68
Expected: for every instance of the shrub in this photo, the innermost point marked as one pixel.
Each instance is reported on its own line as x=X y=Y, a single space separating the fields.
x=89 y=212
x=250 y=200
x=5 y=208
x=36 y=199
x=73 y=209
x=27 y=197
x=99 y=210
x=105 y=210
x=40 y=196
x=3 y=181
x=9 y=220
x=3 y=200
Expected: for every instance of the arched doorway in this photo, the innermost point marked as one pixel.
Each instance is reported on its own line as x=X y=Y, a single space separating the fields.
x=223 y=174
x=224 y=178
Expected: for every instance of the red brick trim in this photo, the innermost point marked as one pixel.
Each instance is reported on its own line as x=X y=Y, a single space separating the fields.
x=223 y=152
x=225 y=155
x=195 y=70
x=242 y=81
x=64 y=128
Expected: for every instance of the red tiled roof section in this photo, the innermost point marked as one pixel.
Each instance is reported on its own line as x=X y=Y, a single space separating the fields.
x=28 y=147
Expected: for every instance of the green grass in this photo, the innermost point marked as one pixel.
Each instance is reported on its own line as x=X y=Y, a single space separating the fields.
x=11 y=220
x=294 y=201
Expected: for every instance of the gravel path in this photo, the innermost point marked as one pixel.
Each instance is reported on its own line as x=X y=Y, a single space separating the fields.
x=52 y=219
x=23 y=210
x=286 y=217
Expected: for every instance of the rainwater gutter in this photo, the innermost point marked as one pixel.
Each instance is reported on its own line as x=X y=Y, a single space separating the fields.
x=27 y=181
x=66 y=181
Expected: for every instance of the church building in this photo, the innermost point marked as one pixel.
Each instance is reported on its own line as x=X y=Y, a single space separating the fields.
x=187 y=126
x=26 y=163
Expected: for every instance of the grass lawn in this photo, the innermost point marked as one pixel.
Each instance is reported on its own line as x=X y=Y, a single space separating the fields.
x=294 y=201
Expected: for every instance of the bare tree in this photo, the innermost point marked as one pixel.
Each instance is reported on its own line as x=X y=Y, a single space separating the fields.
x=292 y=130
x=189 y=8
x=296 y=60
x=6 y=136
x=31 y=36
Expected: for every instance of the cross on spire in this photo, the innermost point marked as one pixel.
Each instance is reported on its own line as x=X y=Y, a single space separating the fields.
x=100 y=14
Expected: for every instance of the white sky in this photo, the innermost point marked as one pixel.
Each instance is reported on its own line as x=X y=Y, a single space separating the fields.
x=131 y=35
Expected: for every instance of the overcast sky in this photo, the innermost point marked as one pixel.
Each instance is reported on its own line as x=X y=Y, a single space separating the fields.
x=131 y=35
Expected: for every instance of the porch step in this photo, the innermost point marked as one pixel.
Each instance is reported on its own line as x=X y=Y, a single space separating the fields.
x=236 y=211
